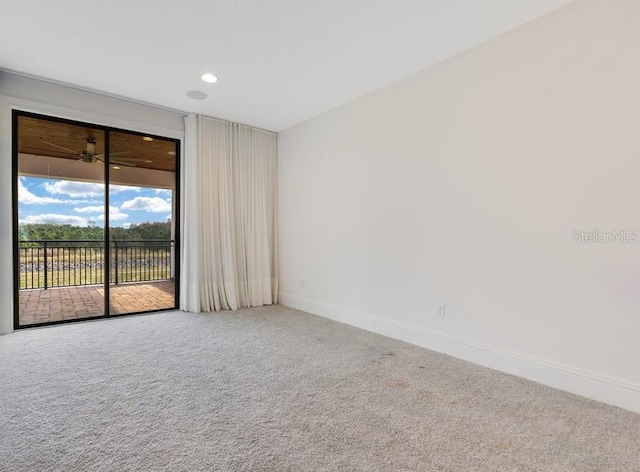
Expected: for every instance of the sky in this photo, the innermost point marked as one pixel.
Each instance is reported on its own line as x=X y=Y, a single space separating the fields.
x=82 y=203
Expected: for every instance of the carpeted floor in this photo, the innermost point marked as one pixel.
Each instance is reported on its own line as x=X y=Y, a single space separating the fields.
x=274 y=389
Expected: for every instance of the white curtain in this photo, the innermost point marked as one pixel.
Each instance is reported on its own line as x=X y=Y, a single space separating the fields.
x=229 y=251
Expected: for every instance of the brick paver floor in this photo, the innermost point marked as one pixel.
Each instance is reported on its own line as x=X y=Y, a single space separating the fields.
x=71 y=303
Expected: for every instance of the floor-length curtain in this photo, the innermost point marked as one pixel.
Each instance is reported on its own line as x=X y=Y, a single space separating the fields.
x=229 y=251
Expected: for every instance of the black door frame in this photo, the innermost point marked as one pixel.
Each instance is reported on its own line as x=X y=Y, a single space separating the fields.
x=15 y=114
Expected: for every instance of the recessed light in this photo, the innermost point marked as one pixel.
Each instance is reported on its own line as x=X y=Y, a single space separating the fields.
x=196 y=94
x=171 y=153
x=115 y=167
x=147 y=138
x=148 y=161
x=209 y=78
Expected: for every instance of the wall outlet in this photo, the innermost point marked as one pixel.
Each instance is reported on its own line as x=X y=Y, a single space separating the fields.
x=441 y=311
x=301 y=283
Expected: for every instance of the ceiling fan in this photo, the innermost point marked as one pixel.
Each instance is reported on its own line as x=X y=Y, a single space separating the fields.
x=89 y=155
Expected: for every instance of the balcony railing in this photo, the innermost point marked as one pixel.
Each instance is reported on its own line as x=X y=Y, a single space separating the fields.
x=63 y=263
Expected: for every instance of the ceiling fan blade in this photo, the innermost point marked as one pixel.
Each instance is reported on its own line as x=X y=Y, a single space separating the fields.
x=116 y=162
x=122 y=163
x=61 y=147
x=111 y=154
x=133 y=159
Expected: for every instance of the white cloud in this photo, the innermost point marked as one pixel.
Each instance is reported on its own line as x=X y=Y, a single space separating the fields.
x=29 y=198
x=163 y=191
x=74 y=189
x=114 y=215
x=114 y=212
x=123 y=188
x=91 y=209
x=25 y=196
x=84 y=189
x=149 y=204
x=56 y=219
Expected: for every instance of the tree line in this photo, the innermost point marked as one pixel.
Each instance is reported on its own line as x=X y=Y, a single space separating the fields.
x=57 y=232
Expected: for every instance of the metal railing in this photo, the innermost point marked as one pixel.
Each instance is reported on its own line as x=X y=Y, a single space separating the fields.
x=66 y=263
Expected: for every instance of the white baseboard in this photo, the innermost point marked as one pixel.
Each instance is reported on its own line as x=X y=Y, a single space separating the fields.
x=588 y=384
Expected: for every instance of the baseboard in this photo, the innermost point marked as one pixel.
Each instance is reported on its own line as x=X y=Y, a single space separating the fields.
x=588 y=384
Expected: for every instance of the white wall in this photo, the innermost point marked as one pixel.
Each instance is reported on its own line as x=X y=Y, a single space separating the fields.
x=463 y=184
x=51 y=99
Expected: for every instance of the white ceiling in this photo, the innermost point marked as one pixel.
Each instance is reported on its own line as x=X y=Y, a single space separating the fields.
x=279 y=62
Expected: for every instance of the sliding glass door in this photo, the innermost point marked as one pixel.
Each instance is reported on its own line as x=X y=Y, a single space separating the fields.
x=95 y=215
x=142 y=185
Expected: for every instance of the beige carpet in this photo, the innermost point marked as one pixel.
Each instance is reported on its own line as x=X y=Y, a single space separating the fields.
x=274 y=389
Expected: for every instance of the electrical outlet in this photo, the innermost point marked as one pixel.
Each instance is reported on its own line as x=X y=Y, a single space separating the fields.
x=441 y=311
x=301 y=283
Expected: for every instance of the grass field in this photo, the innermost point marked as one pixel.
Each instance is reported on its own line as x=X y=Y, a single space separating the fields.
x=86 y=266
x=66 y=278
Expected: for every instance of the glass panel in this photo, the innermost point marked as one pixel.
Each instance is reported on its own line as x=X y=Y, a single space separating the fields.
x=61 y=203
x=142 y=183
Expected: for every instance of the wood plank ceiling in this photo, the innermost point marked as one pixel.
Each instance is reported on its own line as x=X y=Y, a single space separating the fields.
x=63 y=140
